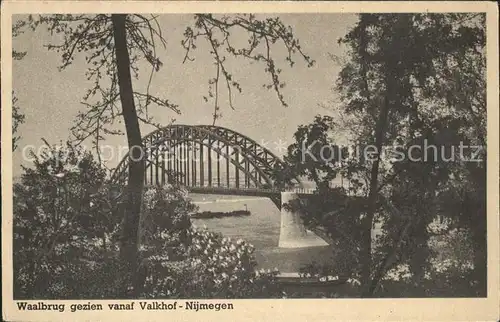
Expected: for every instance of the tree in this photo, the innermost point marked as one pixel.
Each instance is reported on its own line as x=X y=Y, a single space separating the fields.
x=180 y=261
x=401 y=85
x=17 y=116
x=17 y=119
x=113 y=45
x=130 y=243
x=395 y=78
x=64 y=226
x=66 y=239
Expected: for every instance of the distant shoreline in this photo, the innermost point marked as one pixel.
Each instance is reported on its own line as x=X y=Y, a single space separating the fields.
x=220 y=214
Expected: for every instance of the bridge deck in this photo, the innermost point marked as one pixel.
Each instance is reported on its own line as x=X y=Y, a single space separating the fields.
x=245 y=191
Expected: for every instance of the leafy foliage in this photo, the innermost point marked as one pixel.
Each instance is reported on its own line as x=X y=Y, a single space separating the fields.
x=66 y=232
x=113 y=45
x=181 y=261
x=17 y=119
x=63 y=223
x=212 y=267
x=402 y=87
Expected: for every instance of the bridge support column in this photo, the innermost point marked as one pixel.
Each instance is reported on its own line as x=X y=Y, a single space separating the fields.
x=293 y=234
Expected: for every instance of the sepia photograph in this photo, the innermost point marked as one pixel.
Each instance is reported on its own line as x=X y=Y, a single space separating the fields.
x=188 y=158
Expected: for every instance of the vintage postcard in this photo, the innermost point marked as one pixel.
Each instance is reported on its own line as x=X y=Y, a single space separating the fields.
x=250 y=161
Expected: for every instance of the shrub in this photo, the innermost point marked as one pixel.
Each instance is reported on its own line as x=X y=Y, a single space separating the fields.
x=66 y=246
x=63 y=224
x=213 y=267
x=181 y=261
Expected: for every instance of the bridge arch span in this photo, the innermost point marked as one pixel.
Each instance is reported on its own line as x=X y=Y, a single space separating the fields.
x=184 y=154
x=204 y=156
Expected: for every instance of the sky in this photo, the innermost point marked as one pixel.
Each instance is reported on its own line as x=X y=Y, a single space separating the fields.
x=50 y=98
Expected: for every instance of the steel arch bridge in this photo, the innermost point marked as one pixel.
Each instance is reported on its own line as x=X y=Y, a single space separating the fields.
x=207 y=159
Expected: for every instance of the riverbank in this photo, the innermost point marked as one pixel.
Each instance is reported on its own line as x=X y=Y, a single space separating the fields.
x=220 y=214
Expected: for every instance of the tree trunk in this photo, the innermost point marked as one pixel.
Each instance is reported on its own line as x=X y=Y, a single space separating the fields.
x=480 y=259
x=480 y=233
x=129 y=238
x=478 y=228
x=367 y=226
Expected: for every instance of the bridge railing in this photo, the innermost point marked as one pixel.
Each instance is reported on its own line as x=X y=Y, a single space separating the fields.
x=251 y=189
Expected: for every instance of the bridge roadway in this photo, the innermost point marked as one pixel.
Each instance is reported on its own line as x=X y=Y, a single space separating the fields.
x=274 y=194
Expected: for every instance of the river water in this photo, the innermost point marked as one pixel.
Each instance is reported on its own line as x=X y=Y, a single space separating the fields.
x=261 y=229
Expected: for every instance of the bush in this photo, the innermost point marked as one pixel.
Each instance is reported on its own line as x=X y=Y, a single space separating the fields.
x=63 y=225
x=181 y=261
x=213 y=267
x=66 y=245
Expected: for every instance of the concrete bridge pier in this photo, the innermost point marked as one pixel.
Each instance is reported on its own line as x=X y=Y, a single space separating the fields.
x=293 y=234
